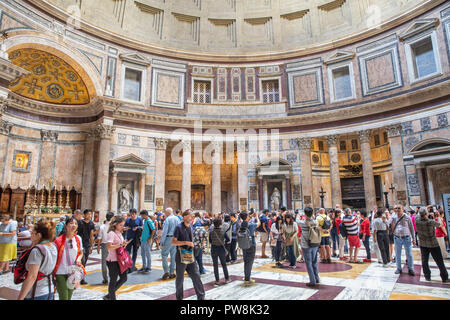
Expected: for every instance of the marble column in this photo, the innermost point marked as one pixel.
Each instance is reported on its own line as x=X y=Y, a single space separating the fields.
x=186 y=176
x=5 y=129
x=420 y=174
x=47 y=161
x=104 y=133
x=336 y=194
x=89 y=172
x=398 y=168
x=216 y=194
x=261 y=192
x=142 y=178
x=306 y=171
x=242 y=175
x=369 y=180
x=160 y=175
x=288 y=193
x=234 y=187
x=114 y=193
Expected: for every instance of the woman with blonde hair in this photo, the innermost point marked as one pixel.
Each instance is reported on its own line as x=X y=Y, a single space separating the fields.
x=40 y=263
x=115 y=241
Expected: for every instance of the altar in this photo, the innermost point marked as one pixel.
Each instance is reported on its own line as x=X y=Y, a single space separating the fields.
x=274 y=184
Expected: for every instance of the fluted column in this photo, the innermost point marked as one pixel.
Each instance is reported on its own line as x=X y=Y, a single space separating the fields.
x=104 y=133
x=160 y=176
x=142 y=178
x=398 y=168
x=216 y=199
x=242 y=175
x=306 y=171
x=5 y=129
x=369 y=180
x=89 y=172
x=336 y=194
x=47 y=163
x=186 y=176
x=114 y=195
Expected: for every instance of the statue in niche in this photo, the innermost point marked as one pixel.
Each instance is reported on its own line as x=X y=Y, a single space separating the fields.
x=125 y=198
x=275 y=200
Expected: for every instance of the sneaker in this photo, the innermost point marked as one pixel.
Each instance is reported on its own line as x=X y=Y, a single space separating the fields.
x=342 y=258
x=278 y=264
x=411 y=273
x=249 y=282
x=172 y=276
x=292 y=267
x=311 y=285
x=217 y=283
x=398 y=271
x=141 y=270
x=165 y=276
x=367 y=260
x=83 y=282
x=106 y=297
x=227 y=281
x=147 y=270
x=428 y=278
x=386 y=265
x=328 y=260
x=446 y=281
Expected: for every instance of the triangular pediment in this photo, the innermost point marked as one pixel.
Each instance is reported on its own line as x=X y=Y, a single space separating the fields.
x=135 y=57
x=130 y=159
x=419 y=26
x=338 y=56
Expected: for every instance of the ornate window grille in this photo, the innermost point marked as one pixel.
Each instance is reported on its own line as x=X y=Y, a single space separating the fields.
x=202 y=91
x=270 y=91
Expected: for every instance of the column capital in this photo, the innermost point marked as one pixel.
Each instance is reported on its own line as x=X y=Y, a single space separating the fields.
x=5 y=127
x=242 y=145
x=187 y=145
x=364 y=136
x=103 y=131
x=332 y=140
x=49 y=135
x=304 y=143
x=161 y=143
x=3 y=106
x=394 y=130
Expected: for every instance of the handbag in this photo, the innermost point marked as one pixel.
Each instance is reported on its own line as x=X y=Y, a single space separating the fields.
x=124 y=259
x=187 y=256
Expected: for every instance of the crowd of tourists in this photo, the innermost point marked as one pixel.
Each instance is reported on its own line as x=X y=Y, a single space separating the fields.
x=51 y=257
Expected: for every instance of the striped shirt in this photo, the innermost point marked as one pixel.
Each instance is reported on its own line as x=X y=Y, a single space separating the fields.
x=351 y=224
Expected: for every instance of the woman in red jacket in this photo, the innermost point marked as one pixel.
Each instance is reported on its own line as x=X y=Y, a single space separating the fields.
x=70 y=252
x=364 y=234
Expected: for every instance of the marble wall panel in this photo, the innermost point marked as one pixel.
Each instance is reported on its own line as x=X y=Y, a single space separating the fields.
x=69 y=165
x=25 y=132
x=380 y=71
x=22 y=179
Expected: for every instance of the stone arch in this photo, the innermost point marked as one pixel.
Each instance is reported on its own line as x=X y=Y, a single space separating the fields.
x=73 y=57
x=436 y=142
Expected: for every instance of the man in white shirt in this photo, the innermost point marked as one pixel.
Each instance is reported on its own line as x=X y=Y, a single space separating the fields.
x=102 y=242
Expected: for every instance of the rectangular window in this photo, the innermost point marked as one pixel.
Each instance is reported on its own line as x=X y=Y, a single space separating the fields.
x=320 y=145
x=270 y=91
x=132 y=85
x=423 y=58
x=376 y=139
x=354 y=144
x=342 y=83
x=385 y=137
x=202 y=91
x=343 y=146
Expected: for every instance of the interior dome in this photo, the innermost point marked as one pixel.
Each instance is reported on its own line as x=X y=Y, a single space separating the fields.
x=234 y=27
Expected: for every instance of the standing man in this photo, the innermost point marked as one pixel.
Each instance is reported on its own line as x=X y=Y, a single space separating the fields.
x=264 y=230
x=77 y=215
x=351 y=225
x=183 y=239
x=324 y=223
x=429 y=244
x=86 y=230
x=309 y=251
x=148 y=230
x=249 y=254
x=102 y=241
x=170 y=223
x=234 y=230
x=226 y=228
x=404 y=234
x=131 y=225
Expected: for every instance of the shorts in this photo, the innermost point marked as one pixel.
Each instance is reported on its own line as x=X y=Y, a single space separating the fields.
x=354 y=241
x=264 y=236
x=391 y=238
x=325 y=241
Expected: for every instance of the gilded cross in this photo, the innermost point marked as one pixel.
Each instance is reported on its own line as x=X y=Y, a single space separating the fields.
x=56 y=74
x=76 y=92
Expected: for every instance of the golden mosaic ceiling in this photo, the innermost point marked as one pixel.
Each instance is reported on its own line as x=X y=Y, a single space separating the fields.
x=51 y=79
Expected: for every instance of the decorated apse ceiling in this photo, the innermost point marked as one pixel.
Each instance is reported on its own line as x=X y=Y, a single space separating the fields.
x=51 y=79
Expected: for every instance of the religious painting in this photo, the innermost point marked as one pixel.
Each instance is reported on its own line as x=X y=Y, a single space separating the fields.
x=148 y=193
x=159 y=202
x=401 y=195
x=21 y=161
x=296 y=192
x=173 y=200
x=243 y=201
x=253 y=193
x=307 y=200
x=198 y=197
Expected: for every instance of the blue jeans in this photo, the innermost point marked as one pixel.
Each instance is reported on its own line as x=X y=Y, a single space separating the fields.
x=310 y=256
x=146 y=256
x=44 y=297
x=166 y=250
x=277 y=251
x=406 y=242
x=198 y=255
x=335 y=239
x=290 y=252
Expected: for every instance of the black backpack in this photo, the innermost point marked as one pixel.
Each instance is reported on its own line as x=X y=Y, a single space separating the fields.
x=343 y=230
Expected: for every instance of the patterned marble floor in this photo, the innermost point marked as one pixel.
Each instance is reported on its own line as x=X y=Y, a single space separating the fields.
x=339 y=281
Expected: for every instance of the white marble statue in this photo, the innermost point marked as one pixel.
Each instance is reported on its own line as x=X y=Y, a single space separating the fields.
x=275 y=200
x=125 y=199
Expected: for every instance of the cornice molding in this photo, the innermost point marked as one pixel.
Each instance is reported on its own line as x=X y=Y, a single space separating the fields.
x=9 y=71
